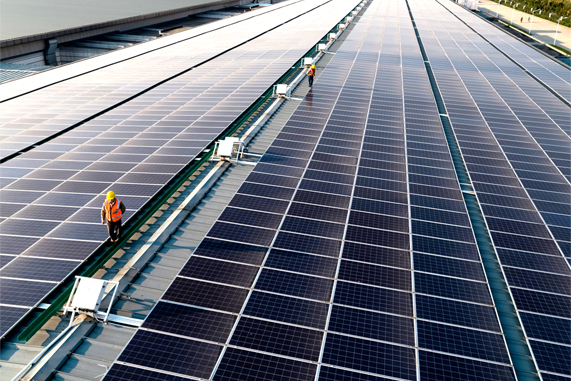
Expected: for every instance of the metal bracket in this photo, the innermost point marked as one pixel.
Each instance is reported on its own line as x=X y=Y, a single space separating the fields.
x=86 y=296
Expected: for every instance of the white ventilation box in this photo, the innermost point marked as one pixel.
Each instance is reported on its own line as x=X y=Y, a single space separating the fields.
x=89 y=294
x=333 y=36
x=342 y=26
x=354 y=13
x=86 y=296
x=308 y=61
x=349 y=19
x=226 y=146
x=322 y=47
x=282 y=89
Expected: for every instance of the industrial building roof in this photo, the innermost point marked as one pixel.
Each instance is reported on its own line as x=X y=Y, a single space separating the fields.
x=406 y=218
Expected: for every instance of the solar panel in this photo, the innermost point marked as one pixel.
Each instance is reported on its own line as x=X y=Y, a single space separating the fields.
x=339 y=292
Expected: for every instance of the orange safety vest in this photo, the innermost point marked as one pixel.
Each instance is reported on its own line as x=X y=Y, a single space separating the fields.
x=311 y=72
x=113 y=213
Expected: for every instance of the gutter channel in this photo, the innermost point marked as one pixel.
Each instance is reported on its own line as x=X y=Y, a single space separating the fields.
x=518 y=346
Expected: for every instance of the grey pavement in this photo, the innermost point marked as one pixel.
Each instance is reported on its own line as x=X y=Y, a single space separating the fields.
x=541 y=29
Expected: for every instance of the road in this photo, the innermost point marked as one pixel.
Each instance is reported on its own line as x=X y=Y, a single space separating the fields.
x=541 y=29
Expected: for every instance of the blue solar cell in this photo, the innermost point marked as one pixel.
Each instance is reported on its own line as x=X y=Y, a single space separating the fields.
x=171 y=353
x=462 y=341
x=452 y=288
x=307 y=244
x=304 y=286
x=372 y=325
x=209 y=295
x=518 y=242
x=313 y=227
x=442 y=216
x=375 y=275
x=286 y=309
x=553 y=377
x=278 y=338
x=546 y=328
x=238 y=233
x=231 y=251
x=279 y=193
x=220 y=271
x=250 y=217
x=538 y=281
x=378 y=221
x=378 y=237
x=370 y=356
x=280 y=181
x=23 y=293
x=534 y=261
x=39 y=269
x=302 y=263
x=436 y=366
x=373 y=298
x=445 y=247
x=239 y=364
x=541 y=302
x=10 y=316
x=451 y=232
x=333 y=374
x=15 y=245
x=448 y=266
x=377 y=255
x=128 y=373
x=552 y=357
x=191 y=322
x=381 y=195
x=318 y=212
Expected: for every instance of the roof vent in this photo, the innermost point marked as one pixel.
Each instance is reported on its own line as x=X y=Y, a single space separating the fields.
x=86 y=296
x=282 y=90
x=229 y=149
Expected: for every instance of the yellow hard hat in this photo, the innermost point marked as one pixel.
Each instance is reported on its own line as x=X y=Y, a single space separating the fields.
x=110 y=195
x=313 y=66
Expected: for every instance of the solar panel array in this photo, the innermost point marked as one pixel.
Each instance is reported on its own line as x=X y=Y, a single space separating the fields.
x=347 y=254
x=530 y=99
x=547 y=70
x=51 y=196
x=65 y=72
x=519 y=162
x=31 y=118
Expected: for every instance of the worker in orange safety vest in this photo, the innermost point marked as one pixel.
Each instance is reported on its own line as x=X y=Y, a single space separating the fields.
x=111 y=212
x=310 y=75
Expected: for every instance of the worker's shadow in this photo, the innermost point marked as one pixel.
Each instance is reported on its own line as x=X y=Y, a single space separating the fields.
x=309 y=98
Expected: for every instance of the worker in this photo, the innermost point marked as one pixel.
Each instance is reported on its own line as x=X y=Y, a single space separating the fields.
x=310 y=75
x=111 y=212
